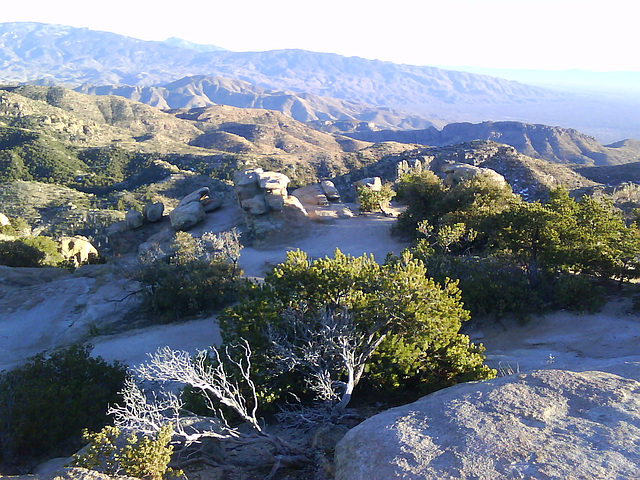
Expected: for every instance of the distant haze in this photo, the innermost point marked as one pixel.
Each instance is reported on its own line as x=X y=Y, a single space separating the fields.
x=523 y=34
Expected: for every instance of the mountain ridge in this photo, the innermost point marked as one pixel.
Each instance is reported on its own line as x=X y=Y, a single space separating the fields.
x=49 y=54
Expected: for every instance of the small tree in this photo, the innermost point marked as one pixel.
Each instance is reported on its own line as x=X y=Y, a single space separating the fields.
x=224 y=382
x=346 y=307
x=372 y=200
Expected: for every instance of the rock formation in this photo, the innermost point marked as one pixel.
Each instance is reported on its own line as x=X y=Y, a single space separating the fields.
x=459 y=172
x=322 y=201
x=153 y=211
x=544 y=424
x=133 y=219
x=271 y=215
x=192 y=209
x=77 y=249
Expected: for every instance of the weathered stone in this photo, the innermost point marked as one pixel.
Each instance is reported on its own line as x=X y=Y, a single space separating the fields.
x=246 y=177
x=545 y=424
x=211 y=204
x=311 y=195
x=273 y=181
x=460 y=172
x=186 y=216
x=330 y=190
x=4 y=220
x=372 y=183
x=153 y=211
x=256 y=205
x=274 y=201
x=195 y=196
x=77 y=249
x=294 y=206
x=134 y=219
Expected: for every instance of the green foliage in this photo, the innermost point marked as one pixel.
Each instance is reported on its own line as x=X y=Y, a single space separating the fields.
x=192 y=280
x=29 y=252
x=472 y=203
x=45 y=403
x=28 y=155
x=18 y=227
x=141 y=457
x=15 y=253
x=416 y=312
x=371 y=200
x=587 y=236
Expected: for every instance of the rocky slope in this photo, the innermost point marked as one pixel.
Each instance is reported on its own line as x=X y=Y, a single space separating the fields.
x=555 y=144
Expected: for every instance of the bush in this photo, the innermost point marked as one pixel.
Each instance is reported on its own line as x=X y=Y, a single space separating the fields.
x=29 y=252
x=16 y=253
x=198 y=277
x=46 y=403
x=374 y=200
x=141 y=457
x=395 y=302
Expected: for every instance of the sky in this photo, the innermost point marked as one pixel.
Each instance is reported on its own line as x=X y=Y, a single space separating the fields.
x=520 y=34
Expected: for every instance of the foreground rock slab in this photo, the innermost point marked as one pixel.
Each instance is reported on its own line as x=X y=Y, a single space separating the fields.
x=544 y=424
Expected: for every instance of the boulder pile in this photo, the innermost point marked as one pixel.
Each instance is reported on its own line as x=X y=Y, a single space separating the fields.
x=271 y=215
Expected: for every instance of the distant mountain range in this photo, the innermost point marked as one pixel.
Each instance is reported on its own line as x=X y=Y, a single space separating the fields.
x=43 y=53
x=555 y=144
x=201 y=91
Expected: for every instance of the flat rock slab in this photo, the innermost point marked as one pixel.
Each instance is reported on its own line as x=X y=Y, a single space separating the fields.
x=551 y=424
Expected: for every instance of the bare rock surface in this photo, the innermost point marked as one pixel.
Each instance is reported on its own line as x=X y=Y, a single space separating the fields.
x=544 y=424
x=43 y=309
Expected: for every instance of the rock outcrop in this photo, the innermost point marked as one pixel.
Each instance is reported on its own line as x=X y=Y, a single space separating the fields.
x=271 y=215
x=193 y=208
x=77 y=249
x=460 y=172
x=544 y=424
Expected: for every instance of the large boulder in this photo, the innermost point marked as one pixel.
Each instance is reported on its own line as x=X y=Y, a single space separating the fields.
x=545 y=424
x=153 y=211
x=311 y=195
x=183 y=217
x=460 y=172
x=134 y=219
x=77 y=249
x=195 y=196
x=4 y=220
x=330 y=190
x=273 y=182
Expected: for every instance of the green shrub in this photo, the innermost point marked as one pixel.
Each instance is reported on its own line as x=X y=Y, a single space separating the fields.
x=579 y=293
x=192 y=280
x=47 y=402
x=29 y=252
x=395 y=302
x=15 y=253
x=374 y=200
x=141 y=457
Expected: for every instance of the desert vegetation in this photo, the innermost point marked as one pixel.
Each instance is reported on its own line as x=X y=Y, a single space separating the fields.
x=518 y=257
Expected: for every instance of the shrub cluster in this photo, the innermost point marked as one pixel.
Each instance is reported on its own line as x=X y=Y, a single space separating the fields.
x=198 y=276
x=512 y=256
x=47 y=402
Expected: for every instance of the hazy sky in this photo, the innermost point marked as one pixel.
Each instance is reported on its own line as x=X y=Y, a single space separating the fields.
x=538 y=34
